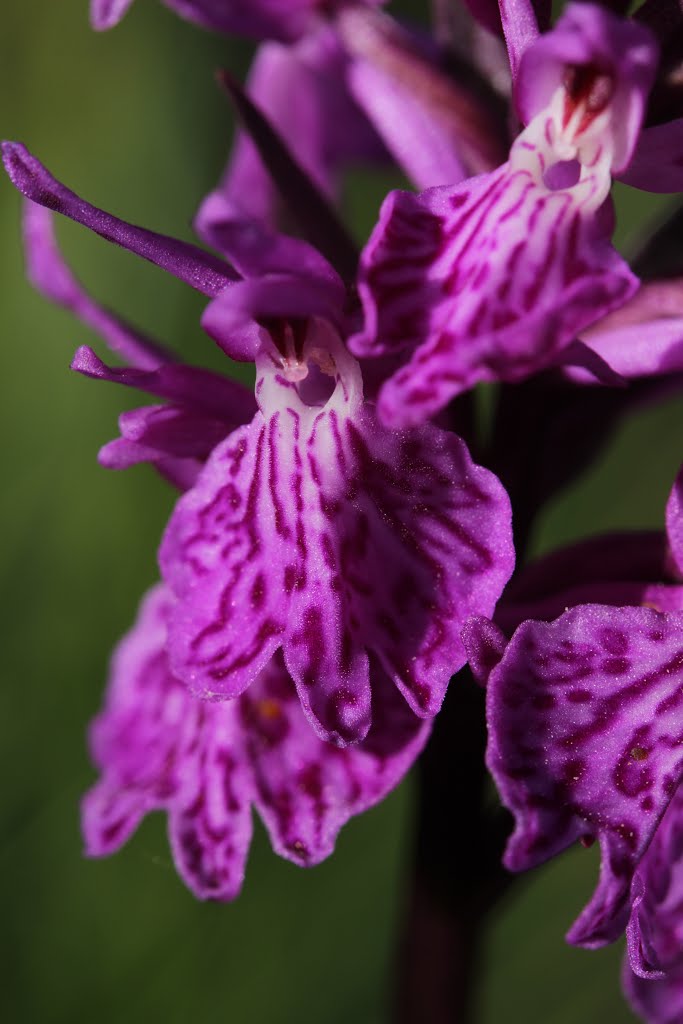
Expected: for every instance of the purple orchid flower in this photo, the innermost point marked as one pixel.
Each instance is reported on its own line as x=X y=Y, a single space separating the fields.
x=160 y=748
x=585 y=716
x=493 y=279
x=261 y=19
x=312 y=529
x=206 y=763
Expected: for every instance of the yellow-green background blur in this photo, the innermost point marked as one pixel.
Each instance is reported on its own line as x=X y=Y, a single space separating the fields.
x=133 y=121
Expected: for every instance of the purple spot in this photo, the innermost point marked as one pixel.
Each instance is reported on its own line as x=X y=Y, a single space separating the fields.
x=579 y=696
x=614 y=641
x=258 y=592
x=616 y=666
x=544 y=701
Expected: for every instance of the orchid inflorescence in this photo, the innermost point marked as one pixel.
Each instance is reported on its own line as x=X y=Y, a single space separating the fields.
x=335 y=555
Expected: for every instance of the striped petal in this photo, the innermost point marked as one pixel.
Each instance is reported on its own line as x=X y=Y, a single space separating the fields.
x=318 y=530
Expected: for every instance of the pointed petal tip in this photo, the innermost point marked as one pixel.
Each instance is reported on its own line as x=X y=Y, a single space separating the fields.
x=86 y=361
x=28 y=175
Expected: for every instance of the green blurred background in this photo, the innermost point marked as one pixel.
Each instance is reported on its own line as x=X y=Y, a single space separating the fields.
x=132 y=119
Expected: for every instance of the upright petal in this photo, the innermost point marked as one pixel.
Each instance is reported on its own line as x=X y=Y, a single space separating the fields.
x=520 y=27
x=586 y=741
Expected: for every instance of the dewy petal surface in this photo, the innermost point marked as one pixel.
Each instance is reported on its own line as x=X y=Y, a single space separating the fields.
x=205 y=763
x=317 y=530
x=586 y=741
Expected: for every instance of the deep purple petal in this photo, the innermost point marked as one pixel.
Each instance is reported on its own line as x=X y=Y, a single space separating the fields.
x=262 y=19
x=306 y=789
x=636 y=556
x=181 y=473
x=278 y=19
x=172 y=430
x=197 y=268
x=49 y=274
x=585 y=742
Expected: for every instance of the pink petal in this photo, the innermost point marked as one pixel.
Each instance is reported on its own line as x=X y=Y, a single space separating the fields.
x=318 y=530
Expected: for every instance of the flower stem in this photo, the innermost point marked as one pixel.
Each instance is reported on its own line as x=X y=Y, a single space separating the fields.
x=456 y=872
